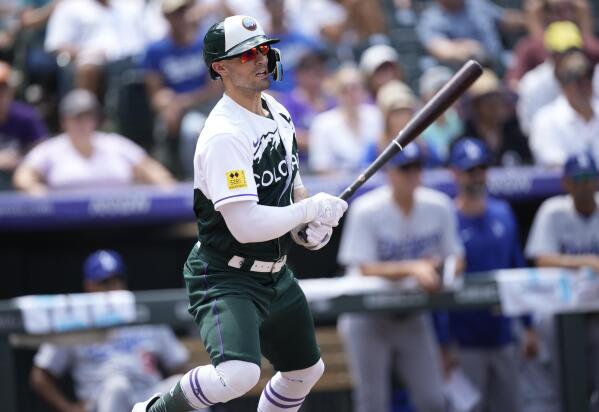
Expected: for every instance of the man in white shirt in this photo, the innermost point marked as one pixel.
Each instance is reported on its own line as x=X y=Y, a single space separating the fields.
x=570 y=124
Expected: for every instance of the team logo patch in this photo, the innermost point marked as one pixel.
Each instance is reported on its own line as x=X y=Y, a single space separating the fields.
x=249 y=23
x=236 y=179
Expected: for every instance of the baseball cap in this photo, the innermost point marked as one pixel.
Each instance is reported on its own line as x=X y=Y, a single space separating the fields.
x=77 y=102
x=561 y=36
x=487 y=83
x=411 y=154
x=171 y=6
x=375 y=56
x=433 y=79
x=580 y=165
x=395 y=95
x=103 y=264
x=468 y=153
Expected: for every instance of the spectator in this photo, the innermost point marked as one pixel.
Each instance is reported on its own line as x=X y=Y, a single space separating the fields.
x=323 y=20
x=365 y=20
x=380 y=64
x=178 y=84
x=539 y=86
x=9 y=27
x=293 y=44
x=439 y=135
x=453 y=31
x=339 y=137
x=491 y=120
x=565 y=230
x=570 y=124
x=96 y=35
x=397 y=103
x=397 y=231
x=530 y=51
x=488 y=228
x=109 y=376
x=20 y=127
x=309 y=97
x=83 y=157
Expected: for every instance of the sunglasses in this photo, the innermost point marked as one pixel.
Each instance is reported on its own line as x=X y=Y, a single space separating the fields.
x=251 y=54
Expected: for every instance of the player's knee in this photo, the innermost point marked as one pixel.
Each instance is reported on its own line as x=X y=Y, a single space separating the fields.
x=238 y=376
x=309 y=376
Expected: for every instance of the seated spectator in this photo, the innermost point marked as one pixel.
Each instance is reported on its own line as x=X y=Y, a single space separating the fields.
x=380 y=64
x=293 y=44
x=93 y=34
x=365 y=20
x=453 y=31
x=20 y=127
x=339 y=137
x=539 y=86
x=397 y=104
x=530 y=51
x=83 y=157
x=323 y=20
x=565 y=230
x=178 y=84
x=309 y=97
x=111 y=375
x=491 y=120
x=439 y=135
x=570 y=124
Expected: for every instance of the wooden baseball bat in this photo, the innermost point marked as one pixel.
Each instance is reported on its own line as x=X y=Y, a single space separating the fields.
x=434 y=108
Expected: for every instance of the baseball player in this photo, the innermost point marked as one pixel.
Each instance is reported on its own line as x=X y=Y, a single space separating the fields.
x=489 y=231
x=397 y=231
x=249 y=202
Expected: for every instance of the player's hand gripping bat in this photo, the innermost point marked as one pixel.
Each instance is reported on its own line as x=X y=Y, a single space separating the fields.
x=434 y=108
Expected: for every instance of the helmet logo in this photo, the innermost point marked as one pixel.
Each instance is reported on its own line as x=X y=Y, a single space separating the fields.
x=249 y=24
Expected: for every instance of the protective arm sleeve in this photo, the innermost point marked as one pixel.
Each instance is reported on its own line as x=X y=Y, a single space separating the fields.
x=250 y=222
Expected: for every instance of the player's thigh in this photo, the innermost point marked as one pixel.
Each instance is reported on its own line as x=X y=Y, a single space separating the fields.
x=288 y=338
x=504 y=389
x=229 y=328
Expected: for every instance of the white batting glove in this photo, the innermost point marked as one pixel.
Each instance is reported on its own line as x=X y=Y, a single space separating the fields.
x=324 y=208
x=317 y=235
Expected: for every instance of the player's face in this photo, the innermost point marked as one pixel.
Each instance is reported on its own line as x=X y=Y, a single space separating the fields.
x=109 y=284
x=248 y=71
x=397 y=120
x=80 y=126
x=582 y=188
x=405 y=179
x=472 y=182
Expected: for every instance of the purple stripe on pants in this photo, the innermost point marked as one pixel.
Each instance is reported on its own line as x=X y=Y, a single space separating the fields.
x=282 y=397
x=220 y=335
x=199 y=394
x=280 y=405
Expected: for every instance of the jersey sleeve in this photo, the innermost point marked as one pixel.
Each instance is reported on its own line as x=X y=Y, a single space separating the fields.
x=358 y=240
x=53 y=358
x=225 y=161
x=451 y=242
x=542 y=239
x=129 y=149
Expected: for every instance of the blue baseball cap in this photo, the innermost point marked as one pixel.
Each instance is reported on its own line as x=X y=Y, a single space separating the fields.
x=411 y=154
x=580 y=165
x=103 y=264
x=468 y=153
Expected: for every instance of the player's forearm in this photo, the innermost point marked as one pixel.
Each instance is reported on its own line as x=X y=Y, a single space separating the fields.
x=27 y=180
x=567 y=261
x=45 y=386
x=390 y=269
x=250 y=222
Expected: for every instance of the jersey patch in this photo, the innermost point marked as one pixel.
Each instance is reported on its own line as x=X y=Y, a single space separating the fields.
x=236 y=179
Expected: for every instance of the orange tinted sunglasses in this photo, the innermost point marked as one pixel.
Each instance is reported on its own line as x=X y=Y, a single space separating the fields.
x=252 y=53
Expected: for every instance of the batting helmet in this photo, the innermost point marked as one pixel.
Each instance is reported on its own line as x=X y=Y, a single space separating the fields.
x=234 y=35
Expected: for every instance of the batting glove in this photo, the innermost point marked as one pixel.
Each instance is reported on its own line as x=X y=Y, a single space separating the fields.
x=317 y=235
x=324 y=208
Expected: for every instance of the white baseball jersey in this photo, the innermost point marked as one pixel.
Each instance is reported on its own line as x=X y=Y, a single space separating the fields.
x=377 y=229
x=131 y=352
x=559 y=228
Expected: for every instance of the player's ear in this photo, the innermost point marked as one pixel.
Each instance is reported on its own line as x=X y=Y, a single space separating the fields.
x=219 y=67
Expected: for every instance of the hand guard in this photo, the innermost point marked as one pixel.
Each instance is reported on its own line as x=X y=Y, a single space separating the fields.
x=318 y=235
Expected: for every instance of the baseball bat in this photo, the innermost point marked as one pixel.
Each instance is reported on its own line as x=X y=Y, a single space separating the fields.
x=441 y=101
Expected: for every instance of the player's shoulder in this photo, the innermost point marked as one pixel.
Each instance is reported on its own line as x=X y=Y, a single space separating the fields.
x=433 y=198
x=224 y=119
x=498 y=205
x=373 y=200
x=556 y=205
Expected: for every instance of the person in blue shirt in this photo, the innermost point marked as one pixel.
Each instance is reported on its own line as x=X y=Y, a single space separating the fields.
x=177 y=82
x=489 y=231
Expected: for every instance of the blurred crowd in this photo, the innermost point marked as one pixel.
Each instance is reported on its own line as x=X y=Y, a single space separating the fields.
x=141 y=62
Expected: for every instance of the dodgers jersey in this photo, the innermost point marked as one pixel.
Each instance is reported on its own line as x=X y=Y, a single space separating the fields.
x=377 y=229
x=242 y=156
x=559 y=228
